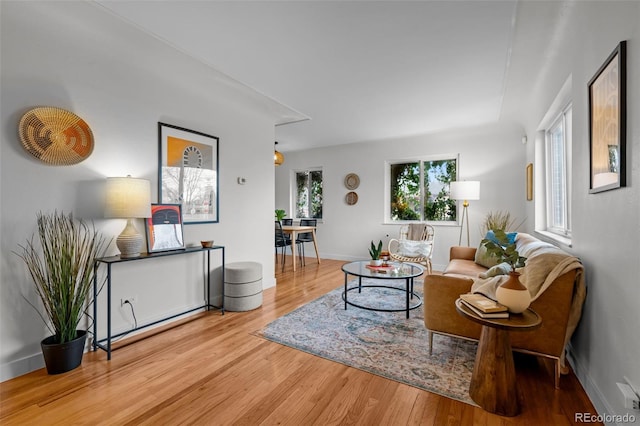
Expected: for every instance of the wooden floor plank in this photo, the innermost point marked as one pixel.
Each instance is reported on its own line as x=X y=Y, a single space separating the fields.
x=215 y=369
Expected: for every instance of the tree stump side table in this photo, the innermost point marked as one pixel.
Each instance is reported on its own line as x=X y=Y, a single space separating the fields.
x=493 y=383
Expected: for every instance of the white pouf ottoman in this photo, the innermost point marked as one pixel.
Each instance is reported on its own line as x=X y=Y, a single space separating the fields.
x=242 y=286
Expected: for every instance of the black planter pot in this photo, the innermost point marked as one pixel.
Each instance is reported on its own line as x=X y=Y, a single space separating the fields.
x=63 y=357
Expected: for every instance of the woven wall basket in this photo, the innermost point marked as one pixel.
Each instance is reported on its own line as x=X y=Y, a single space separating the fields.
x=55 y=136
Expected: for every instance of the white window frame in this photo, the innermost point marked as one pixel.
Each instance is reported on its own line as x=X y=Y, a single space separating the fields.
x=421 y=159
x=558 y=110
x=563 y=228
x=294 y=191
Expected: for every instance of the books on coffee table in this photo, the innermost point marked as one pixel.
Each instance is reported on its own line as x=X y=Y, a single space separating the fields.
x=483 y=306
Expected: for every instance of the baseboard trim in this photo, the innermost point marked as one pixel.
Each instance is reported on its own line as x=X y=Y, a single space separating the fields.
x=21 y=366
x=597 y=398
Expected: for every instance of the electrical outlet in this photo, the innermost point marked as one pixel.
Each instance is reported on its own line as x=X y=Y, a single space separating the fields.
x=631 y=400
x=131 y=299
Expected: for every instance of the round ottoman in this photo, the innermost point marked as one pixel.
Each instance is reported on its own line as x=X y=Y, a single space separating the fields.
x=242 y=286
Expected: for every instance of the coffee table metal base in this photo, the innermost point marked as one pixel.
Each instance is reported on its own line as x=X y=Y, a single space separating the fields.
x=410 y=295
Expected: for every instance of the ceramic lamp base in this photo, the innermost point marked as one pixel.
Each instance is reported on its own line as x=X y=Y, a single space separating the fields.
x=129 y=242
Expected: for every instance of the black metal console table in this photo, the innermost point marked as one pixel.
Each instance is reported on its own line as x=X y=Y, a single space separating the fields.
x=110 y=261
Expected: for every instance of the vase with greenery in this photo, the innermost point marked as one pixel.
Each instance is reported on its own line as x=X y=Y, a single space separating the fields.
x=374 y=252
x=61 y=264
x=280 y=214
x=511 y=293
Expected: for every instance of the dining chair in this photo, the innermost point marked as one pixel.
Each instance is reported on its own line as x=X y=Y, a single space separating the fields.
x=282 y=242
x=305 y=237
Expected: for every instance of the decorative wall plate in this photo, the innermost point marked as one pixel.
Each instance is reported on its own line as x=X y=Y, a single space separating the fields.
x=351 y=198
x=55 y=136
x=352 y=181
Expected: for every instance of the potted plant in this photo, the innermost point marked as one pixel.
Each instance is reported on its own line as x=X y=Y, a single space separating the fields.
x=280 y=214
x=62 y=269
x=511 y=293
x=374 y=252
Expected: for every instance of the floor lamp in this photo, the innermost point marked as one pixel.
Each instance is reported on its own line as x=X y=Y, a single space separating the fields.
x=465 y=190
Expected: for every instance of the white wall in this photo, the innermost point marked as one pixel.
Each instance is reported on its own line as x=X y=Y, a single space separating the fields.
x=122 y=82
x=606 y=226
x=493 y=154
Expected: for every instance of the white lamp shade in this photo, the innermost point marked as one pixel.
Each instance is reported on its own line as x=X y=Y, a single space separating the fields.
x=465 y=190
x=128 y=198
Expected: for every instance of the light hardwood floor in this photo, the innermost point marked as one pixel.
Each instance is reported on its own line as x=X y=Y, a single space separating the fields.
x=213 y=370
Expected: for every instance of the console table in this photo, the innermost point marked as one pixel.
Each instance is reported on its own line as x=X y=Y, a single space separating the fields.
x=105 y=343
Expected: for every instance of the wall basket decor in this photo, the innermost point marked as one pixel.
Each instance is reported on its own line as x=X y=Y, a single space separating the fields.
x=55 y=136
x=352 y=181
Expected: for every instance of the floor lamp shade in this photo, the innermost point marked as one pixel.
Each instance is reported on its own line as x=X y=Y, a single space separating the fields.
x=464 y=190
x=128 y=198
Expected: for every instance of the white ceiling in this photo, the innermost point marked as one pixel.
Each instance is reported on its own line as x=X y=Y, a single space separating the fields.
x=365 y=70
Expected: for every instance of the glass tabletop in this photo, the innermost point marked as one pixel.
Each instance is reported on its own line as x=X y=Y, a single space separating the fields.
x=392 y=270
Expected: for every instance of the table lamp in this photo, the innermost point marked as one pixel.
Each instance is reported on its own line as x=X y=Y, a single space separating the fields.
x=128 y=198
x=464 y=190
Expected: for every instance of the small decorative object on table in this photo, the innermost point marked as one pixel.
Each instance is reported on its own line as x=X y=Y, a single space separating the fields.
x=374 y=252
x=207 y=244
x=511 y=293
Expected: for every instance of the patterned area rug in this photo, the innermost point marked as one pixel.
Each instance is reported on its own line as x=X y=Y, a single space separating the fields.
x=382 y=343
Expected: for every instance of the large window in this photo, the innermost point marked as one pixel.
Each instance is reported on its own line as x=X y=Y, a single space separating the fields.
x=558 y=173
x=308 y=194
x=419 y=190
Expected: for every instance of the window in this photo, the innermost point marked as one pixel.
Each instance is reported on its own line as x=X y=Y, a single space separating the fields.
x=308 y=194
x=419 y=190
x=558 y=174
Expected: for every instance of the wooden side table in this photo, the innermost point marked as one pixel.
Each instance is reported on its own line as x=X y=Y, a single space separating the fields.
x=493 y=383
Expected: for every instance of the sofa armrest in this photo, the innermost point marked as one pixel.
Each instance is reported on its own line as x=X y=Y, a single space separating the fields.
x=440 y=315
x=464 y=253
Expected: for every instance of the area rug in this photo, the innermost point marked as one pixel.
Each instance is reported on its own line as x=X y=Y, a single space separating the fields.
x=382 y=343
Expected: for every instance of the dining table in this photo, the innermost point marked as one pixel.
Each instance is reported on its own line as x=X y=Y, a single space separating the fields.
x=294 y=230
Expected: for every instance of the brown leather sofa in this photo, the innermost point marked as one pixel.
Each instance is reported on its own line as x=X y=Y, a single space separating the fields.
x=559 y=305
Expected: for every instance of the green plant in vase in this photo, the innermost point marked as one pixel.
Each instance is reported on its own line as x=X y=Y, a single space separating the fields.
x=374 y=252
x=62 y=269
x=511 y=293
x=280 y=214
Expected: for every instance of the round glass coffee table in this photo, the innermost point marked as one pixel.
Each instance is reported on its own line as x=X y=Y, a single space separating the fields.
x=393 y=271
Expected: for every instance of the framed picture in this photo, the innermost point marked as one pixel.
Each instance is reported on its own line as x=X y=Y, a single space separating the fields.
x=164 y=228
x=188 y=172
x=608 y=123
x=529 y=174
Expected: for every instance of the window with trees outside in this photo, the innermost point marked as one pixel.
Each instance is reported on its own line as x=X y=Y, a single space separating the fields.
x=419 y=190
x=308 y=195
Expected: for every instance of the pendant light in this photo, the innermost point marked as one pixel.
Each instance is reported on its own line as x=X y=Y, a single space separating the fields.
x=278 y=158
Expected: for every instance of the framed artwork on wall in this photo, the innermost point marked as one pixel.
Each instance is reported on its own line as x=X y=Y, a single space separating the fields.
x=608 y=123
x=529 y=175
x=188 y=172
x=164 y=228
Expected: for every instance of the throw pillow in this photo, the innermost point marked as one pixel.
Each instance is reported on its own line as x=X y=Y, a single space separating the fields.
x=410 y=248
x=482 y=256
x=511 y=237
x=499 y=269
